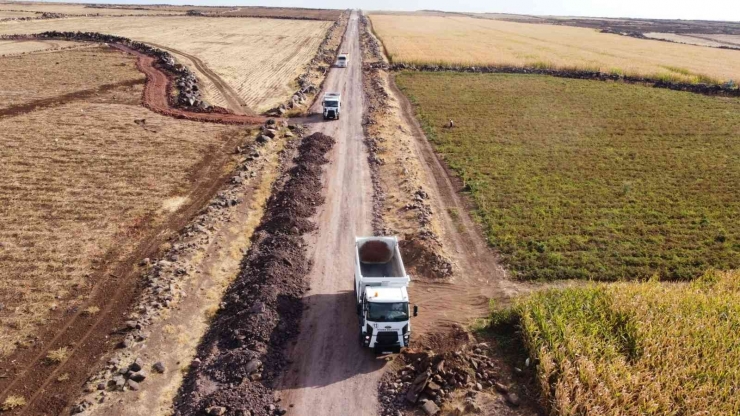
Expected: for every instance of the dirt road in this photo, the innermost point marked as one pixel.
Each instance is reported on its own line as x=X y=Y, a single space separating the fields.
x=233 y=100
x=155 y=95
x=331 y=374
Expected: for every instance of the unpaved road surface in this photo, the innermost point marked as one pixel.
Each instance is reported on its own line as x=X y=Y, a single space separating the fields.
x=233 y=100
x=331 y=373
x=156 y=93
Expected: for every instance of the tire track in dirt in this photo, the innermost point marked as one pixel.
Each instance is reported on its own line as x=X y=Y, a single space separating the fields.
x=234 y=101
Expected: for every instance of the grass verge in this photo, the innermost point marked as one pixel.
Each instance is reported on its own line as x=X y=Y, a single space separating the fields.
x=590 y=180
x=635 y=348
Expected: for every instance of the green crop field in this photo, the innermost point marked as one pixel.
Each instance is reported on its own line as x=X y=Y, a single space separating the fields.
x=647 y=348
x=587 y=179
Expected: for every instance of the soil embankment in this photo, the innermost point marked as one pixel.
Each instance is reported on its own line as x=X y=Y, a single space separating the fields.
x=243 y=352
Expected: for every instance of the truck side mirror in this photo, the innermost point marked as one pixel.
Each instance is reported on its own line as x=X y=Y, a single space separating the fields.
x=416 y=310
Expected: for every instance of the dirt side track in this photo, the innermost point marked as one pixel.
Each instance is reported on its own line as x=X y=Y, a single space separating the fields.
x=235 y=102
x=156 y=92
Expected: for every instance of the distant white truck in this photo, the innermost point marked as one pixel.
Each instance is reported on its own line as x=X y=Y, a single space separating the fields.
x=342 y=60
x=332 y=105
x=381 y=291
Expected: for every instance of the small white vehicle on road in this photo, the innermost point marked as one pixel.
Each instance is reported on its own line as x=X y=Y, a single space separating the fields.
x=381 y=285
x=332 y=105
x=342 y=60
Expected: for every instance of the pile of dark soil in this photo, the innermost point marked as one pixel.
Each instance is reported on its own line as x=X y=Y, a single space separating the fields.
x=243 y=352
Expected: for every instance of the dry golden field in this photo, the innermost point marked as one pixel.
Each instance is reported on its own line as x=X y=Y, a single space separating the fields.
x=57 y=74
x=463 y=40
x=259 y=58
x=318 y=14
x=7 y=14
x=75 y=9
x=80 y=177
x=13 y=47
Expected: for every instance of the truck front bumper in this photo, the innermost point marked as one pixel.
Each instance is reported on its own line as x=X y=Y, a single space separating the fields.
x=386 y=343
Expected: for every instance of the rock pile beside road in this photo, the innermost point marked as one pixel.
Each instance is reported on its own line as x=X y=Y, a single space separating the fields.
x=430 y=381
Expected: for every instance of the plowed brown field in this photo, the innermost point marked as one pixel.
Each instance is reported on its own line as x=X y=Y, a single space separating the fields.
x=16 y=47
x=57 y=74
x=86 y=174
x=259 y=58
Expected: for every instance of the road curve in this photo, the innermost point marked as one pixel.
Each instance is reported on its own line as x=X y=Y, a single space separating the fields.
x=156 y=95
x=330 y=373
x=234 y=102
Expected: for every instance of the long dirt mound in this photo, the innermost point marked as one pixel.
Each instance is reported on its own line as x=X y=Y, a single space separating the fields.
x=242 y=354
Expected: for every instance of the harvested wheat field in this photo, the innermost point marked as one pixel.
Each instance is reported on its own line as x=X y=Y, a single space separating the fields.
x=15 y=47
x=469 y=41
x=55 y=75
x=76 y=9
x=280 y=12
x=11 y=14
x=258 y=58
x=84 y=179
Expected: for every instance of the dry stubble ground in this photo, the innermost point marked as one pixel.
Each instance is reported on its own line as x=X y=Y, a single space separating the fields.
x=17 y=47
x=76 y=9
x=259 y=58
x=81 y=178
x=469 y=41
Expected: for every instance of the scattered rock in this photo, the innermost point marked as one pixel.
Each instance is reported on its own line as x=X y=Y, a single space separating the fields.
x=216 y=410
x=253 y=366
x=131 y=384
x=137 y=365
x=138 y=377
x=430 y=408
x=158 y=367
x=512 y=399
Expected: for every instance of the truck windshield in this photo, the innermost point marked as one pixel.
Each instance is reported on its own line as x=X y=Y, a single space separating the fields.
x=388 y=312
x=331 y=104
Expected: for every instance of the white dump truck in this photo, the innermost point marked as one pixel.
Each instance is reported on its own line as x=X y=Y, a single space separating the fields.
x=381 y=285
x=332 y=105
x=342 y=60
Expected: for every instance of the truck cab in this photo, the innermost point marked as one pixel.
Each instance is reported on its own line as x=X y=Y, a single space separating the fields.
x=381 y=287
x=342 y=60
x=332 y=104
